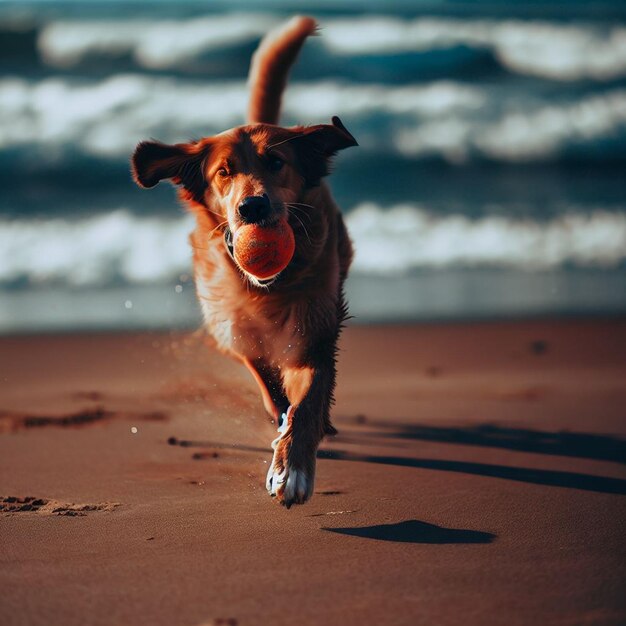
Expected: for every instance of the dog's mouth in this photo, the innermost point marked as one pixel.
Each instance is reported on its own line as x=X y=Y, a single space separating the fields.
x=228 y=243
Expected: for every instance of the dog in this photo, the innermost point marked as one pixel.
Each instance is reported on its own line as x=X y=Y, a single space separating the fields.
x=285 y=328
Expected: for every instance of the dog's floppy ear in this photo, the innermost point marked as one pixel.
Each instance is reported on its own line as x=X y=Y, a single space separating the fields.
x=182 y=163
x=316 y=144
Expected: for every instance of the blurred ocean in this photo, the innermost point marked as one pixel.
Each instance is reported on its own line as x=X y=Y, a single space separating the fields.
x=490 y=179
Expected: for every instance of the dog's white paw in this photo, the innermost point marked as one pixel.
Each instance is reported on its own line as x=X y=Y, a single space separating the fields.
x=285 y=482
x=290 y=485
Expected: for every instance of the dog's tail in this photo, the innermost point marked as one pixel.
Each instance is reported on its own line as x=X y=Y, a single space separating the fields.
x=270 y=67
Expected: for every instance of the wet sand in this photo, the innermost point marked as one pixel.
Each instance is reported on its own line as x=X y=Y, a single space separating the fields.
x=478 y=477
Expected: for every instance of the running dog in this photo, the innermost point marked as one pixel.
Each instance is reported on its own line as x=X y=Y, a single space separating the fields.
x=283 y=328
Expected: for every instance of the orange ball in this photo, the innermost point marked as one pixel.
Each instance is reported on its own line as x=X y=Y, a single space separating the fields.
x=264 y=251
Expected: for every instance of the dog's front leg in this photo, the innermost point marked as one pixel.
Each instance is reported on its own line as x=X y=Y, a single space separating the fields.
x=310 y=390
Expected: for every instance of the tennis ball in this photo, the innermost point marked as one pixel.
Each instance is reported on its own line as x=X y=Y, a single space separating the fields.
x=264 y=251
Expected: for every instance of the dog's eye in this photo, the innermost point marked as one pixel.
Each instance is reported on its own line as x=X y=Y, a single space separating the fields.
x=222 y=172
x=275 y=163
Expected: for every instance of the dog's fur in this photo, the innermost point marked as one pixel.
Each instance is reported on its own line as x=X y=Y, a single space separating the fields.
x=286 y=331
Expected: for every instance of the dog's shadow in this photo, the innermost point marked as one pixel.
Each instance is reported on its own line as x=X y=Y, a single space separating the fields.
x=414 y=531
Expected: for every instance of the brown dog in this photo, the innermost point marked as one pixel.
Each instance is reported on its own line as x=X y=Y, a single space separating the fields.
x=284 y=329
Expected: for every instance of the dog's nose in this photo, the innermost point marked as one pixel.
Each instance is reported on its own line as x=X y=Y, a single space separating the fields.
x=254 y=209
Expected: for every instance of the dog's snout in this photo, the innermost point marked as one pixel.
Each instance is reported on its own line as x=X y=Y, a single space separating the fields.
x=254 y=209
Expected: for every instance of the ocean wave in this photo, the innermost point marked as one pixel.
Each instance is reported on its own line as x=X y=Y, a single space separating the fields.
x=406 y=237
x=557 y=51
x=154 y=44
x=545 y=49
x=520 y=133
x=99 y=250
x=119 y=247
x=455 y=121
x=108 y=117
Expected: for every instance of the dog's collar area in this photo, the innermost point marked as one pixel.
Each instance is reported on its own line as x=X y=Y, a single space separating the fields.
x=228 y=243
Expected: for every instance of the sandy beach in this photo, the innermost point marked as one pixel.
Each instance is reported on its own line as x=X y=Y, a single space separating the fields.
x=478 y=477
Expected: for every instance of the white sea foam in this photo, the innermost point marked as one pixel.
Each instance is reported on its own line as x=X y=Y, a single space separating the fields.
x=120 y=247
x=154 y=44
x=406 y=236
x=550 y=50
x=540 y=48
x=107 y=118
x=519 y=133
x=96 y=250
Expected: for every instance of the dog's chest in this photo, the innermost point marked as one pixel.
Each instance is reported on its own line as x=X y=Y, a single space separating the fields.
x=242 y=322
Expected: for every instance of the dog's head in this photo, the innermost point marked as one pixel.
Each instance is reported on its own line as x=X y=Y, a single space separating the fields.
x=250 y=174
